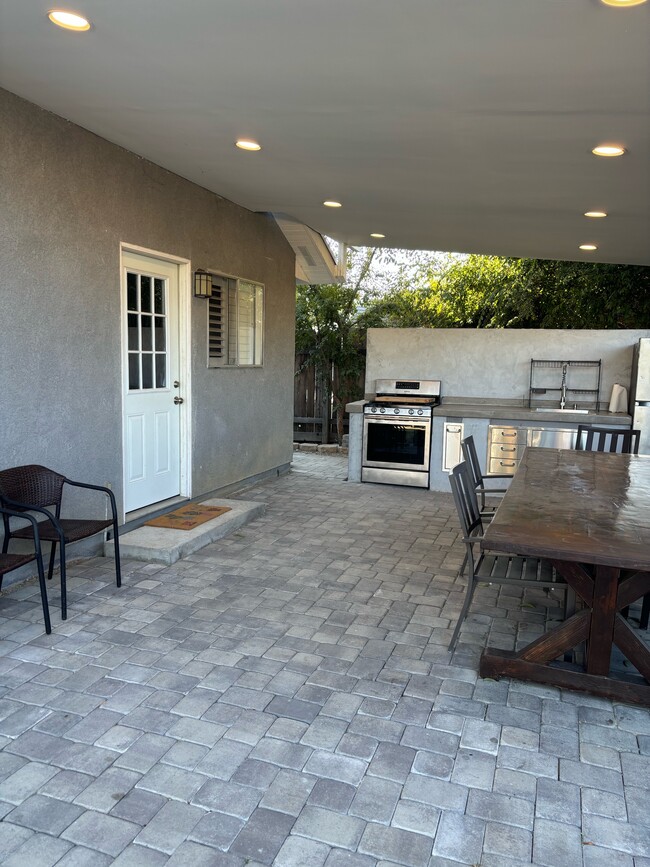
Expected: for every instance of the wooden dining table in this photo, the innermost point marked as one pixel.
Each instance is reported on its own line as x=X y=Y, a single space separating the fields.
x=588 y=513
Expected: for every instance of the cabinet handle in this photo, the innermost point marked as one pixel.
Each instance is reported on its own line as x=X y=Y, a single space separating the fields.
x=506 y=449
x=505 y=434
x=507 y=464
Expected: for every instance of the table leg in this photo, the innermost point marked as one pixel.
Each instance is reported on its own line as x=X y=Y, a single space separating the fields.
x=599 y=624
x=603 y=615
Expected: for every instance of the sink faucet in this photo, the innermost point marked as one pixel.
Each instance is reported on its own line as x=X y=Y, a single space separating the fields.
x=563 y=394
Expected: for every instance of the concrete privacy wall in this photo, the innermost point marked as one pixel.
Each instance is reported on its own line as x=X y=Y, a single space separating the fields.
x=68 y=199
x=492 y=363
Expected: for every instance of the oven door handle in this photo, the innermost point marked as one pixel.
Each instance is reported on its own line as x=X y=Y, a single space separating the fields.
x=402 y=421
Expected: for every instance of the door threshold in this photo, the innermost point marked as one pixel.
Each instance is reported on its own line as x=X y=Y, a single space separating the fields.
x=138 y=516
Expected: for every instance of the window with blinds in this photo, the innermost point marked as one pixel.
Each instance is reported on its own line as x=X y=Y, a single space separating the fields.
x=235 y=323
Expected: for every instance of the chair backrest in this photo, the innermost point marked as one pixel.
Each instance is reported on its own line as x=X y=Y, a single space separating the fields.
x=603 y=439
x=462 y=487
x=31 y=484
x=470 y=455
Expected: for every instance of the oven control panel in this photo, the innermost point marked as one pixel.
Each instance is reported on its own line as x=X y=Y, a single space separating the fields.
x=413 y=411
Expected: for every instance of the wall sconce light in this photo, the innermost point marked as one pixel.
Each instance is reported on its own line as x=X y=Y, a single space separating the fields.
x=202 y=284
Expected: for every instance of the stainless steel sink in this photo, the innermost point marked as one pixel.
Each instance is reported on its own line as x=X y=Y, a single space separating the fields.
x=543 y=409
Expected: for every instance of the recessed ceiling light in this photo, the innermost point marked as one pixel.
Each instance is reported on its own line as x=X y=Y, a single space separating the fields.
x=622 y=2
x=68 y=20
x=377 y=235
x=595 y=213
x=608 y=150
x=247 y=145
x=330 y=203
x=588 y=247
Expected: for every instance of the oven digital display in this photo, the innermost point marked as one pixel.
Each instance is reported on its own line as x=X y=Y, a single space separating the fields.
x=410 y=385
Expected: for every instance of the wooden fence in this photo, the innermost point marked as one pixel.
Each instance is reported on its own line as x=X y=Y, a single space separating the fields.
x=312 y=406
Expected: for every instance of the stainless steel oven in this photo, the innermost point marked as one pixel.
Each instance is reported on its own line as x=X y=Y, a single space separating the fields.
x=397 y=433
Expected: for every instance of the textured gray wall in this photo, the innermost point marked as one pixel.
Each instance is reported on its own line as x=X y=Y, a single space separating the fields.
x=493 y=363
x=68 y=199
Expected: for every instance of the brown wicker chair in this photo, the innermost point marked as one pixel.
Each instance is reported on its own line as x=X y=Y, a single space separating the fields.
x=33 y=488
x=9 y=562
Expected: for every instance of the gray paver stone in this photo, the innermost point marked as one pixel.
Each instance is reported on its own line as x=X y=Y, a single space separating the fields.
x=41 y=850
x=556 y=843
x=26 y=781
x=403 y=847
x=170 y=827
x=300 y=852
x=217 y=830
x=263 y=835
x=329 y=827
x=460 y=838
x=105 y=833
x=44 y=814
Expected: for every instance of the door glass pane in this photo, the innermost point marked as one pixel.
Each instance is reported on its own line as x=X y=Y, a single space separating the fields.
x=147 y=371
x=145 y=294
x=148 y=365
x=147 y=337
x=132 y=290
x=134 y=371
x=161 y=370
x=134 y=334
x=159 y=325
x=159 y=295
x=396 y=443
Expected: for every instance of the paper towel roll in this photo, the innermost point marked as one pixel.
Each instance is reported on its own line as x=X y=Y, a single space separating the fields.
x=618 y=398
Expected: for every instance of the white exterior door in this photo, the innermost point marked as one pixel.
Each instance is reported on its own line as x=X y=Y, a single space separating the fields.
x=152 y=394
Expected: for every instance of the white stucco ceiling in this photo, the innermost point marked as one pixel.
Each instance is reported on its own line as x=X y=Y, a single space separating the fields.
x=461 y=125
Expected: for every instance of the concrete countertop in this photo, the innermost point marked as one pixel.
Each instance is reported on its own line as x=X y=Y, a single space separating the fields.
x=356 y=406
x=484 y=409
x=478 y=409
x=521 y=413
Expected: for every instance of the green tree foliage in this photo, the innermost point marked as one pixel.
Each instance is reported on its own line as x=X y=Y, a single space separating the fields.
x=495 y=292
x=329 y=334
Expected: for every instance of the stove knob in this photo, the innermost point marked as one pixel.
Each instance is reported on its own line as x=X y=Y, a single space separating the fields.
x=373 y=409
x=420 y=412
x=382 y=410
x=411 y=411
x=396 y=412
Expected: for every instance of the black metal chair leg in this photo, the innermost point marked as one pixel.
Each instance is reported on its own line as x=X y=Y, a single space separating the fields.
x=64 y=596
x=116 y=549
x=50 y=568
x=43 y=586
x=463 y=613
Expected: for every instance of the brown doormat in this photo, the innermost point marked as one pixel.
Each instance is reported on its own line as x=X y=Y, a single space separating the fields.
x=188 y=517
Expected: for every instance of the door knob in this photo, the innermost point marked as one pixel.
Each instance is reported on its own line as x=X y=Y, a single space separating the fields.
x=178 y=399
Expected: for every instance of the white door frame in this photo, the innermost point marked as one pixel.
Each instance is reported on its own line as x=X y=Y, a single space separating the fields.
x=184 y=360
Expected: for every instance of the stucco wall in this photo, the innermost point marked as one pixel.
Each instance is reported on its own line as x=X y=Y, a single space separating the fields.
x=68 y=199
x=492 y=363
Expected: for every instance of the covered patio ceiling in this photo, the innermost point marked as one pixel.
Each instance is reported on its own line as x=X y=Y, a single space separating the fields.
x=440 y=124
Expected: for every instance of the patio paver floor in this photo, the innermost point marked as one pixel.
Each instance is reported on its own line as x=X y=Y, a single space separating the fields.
x=285 y=697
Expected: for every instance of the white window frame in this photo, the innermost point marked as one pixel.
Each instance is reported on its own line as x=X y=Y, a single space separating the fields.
x=230 y=349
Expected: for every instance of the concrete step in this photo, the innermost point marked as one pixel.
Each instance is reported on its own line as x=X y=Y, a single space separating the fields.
x=162 y=545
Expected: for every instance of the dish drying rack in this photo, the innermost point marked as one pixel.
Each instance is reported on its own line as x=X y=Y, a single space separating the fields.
x=579 y=383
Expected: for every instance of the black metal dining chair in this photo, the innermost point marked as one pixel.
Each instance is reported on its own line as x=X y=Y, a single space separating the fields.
x=468 y=447
x=606 y=439
x=486 y=567
x=32 y=488
x=9 y=562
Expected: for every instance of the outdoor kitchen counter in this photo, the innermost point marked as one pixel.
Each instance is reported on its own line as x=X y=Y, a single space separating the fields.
x=471 y=409
x=476 y=417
